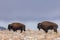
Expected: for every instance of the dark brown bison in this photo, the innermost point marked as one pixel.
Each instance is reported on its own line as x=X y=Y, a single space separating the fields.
x=46 y=25
x=16 y=26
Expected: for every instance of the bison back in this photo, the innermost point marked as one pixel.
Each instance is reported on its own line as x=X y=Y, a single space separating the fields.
x=17 y=25
x=49 y=24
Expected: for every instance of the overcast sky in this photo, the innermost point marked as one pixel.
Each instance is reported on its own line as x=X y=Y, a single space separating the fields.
x=29 y=10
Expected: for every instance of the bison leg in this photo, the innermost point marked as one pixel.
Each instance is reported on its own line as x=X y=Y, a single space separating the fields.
x=46 y=31
x=9 y=29
x=39 y=28
x=14 y=30
x=24 y=29
x=55 y=30
x=21 y=30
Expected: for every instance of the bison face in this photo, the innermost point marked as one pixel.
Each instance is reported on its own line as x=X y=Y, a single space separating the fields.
x=39 y=26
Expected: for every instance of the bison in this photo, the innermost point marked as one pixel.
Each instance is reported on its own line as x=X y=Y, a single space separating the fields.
x=16 y=26
x=46 y=25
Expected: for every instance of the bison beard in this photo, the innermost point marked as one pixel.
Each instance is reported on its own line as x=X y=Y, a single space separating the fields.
x=16 y=27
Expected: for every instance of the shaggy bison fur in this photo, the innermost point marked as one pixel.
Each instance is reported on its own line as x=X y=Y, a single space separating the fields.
x=46 y=25
x=16 y=26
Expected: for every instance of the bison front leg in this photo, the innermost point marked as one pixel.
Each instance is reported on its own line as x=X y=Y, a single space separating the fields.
x=9 y=28
x=46 y=30
x=39 y=28
x=14 y=29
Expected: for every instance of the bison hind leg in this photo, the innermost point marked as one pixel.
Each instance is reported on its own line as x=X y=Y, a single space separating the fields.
x=24 y=29
x=55 y=29
x=21 y=30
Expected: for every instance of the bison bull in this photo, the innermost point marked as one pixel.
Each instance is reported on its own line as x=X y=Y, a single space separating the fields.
x=16 y=26
x=46 y=25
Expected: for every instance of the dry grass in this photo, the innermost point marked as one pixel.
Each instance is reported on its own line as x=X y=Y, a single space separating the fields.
x=29 y=35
